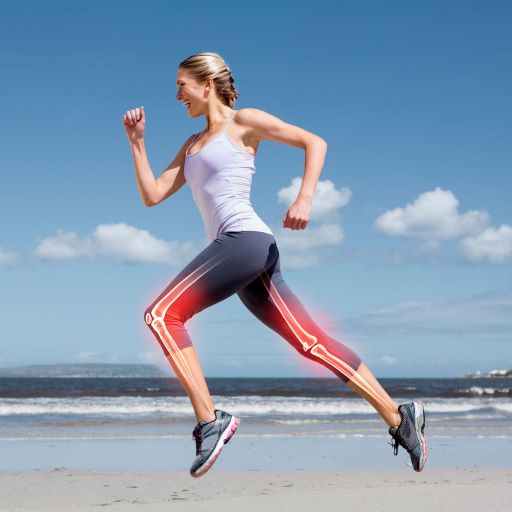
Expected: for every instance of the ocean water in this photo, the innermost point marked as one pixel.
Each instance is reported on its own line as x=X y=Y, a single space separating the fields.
x=101 y=415
x=53 y=408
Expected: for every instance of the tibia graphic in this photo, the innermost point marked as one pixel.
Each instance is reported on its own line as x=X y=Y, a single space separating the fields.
x=310 y=342
x=159 y=310
x=320 y=351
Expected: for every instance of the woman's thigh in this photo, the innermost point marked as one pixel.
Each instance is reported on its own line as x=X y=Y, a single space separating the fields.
x=272 y=301
x=225 y=266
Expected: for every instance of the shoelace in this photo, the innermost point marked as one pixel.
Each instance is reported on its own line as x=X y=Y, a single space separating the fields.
x=197 y=435
x=398 y=440
x=395 y=444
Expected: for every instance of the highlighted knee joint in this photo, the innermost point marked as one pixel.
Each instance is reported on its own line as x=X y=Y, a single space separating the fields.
x=155 y=319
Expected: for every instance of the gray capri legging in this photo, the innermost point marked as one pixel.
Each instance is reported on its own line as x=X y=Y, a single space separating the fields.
x=246 y=263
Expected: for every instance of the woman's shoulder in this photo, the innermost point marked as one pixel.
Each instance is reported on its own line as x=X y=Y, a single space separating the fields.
x=193 y=137
x=250 y=112
x=253 y=117
x=190 y=139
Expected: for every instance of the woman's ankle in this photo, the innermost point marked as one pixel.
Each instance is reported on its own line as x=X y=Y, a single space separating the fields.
x=206 y=418
x=397 y=419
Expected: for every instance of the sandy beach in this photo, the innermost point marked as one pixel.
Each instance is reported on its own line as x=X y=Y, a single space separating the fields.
x=83 y=444
x=155 y=491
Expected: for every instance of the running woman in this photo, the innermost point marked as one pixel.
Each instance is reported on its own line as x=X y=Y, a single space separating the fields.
x=242 y=257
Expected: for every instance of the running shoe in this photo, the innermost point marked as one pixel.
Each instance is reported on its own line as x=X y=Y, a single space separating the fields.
x=210 y=439
x=410 y=434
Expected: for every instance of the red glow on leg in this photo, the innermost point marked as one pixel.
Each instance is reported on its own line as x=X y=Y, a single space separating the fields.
x=309 y=342
x=161 y=307
x=158 y=312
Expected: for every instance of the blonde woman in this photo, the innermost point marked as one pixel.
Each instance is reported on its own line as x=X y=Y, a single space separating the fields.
x=242 y=257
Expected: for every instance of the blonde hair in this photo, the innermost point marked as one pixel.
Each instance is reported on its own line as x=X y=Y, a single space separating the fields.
x=209 y=65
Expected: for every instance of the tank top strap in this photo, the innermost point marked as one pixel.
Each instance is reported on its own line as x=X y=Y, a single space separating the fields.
x=199 y=133
x=229 y=122
x=193 y=142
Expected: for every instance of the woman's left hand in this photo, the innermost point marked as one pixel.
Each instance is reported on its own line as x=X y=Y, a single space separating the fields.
x=297 y=216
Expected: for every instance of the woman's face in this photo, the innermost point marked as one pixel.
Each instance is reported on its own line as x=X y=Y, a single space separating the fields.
x=190 y=92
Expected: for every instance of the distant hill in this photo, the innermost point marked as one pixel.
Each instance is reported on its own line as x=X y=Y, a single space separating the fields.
x=85 y=370
x=492 y=374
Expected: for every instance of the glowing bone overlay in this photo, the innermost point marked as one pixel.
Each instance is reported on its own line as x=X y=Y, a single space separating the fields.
x=158 y=317
x=310 y=342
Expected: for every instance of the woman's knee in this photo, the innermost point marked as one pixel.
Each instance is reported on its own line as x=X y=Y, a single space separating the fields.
x=172 y=316
x=336 y=356
x=148 y=315
x=169 y=330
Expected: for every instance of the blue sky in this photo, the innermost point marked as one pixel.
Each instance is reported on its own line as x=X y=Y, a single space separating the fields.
x=408 y=254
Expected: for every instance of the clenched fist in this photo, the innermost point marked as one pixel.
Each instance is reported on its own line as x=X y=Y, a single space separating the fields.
x=297 y=216
x=134 y=123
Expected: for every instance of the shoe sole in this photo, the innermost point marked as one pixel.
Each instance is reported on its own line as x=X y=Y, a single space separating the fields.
x=224 y=438
x=419 y=419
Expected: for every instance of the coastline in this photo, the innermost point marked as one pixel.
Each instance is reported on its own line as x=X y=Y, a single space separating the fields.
x=126 y=444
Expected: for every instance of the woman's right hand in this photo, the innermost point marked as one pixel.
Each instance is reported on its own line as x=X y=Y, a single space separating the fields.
x=134 y=123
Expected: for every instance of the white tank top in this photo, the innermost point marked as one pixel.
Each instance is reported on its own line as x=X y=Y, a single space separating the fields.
x=220 y=177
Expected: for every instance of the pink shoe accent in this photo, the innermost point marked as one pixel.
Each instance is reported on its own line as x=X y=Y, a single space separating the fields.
x=424 y=435
x=210 y=463
x=232 y=430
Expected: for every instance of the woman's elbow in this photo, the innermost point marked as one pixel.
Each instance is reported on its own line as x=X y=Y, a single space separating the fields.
x=316 y=140
x=153 y=199
x=149 y=202
x=323 y=141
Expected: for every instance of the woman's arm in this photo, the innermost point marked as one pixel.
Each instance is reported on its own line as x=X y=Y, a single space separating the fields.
x=143 y=173
x=170 y=181
x=264 y=126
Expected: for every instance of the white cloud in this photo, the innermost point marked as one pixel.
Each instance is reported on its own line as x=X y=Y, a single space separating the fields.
x=64 y=246
x=122 y=242
x=326 y=200
x=126 y=243
x=119 y=242
x=8 y=258
x=388 y=359
x=302 y=247
x=432 y=216
x=492 y=245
